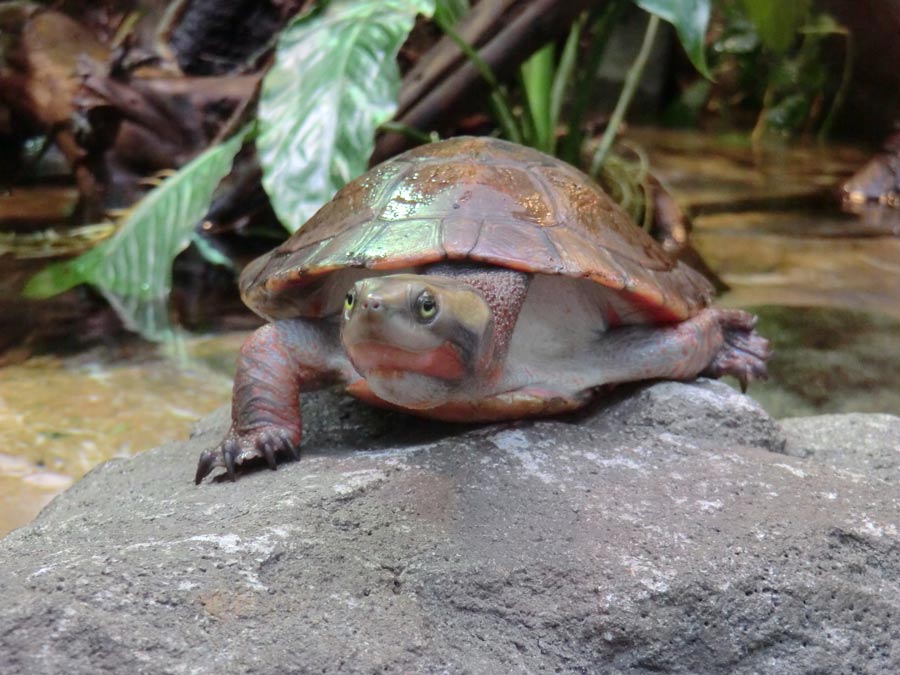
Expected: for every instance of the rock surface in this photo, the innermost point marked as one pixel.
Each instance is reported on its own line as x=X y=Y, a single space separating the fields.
x=865 y=444
x=656 y=532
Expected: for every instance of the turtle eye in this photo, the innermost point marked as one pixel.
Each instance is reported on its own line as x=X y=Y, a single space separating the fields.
x=426 y=307
x=349 y=300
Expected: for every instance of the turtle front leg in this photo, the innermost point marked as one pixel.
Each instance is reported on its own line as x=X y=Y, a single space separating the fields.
x=276 y=363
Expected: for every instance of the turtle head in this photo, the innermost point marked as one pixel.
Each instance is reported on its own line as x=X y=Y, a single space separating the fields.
x=416 y=339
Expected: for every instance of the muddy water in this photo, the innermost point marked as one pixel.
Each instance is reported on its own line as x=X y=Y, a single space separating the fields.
x=826 y=287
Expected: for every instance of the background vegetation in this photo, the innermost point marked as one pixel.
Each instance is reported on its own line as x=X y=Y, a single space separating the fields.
x=328 y=89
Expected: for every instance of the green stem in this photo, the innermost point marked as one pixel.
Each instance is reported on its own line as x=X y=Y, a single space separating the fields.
x=632 y=78
x=841 y=94
x=601 y=23
x=405 y=130
x=505 y=116
x=564 y=77
x=498 y=99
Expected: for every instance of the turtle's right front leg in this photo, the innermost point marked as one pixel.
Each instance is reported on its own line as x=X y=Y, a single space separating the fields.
x=276 y=363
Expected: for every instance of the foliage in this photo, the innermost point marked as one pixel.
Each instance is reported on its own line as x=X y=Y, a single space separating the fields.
x=133 y=268
x=333 y=83
x=448 y=12
x=690 y=19
x=549 y=80
x=317 y=130
x=768 y=57
x=632 y=78
x=777 y=22
x=316 y=133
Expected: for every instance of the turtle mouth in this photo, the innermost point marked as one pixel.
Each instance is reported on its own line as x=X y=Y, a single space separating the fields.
x=373 y=357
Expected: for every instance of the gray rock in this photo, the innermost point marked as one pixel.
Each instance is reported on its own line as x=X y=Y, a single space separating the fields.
x=868 y=444
x=655 y=532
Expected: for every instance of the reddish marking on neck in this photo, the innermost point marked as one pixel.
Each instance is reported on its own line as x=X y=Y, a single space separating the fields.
x=612 y=318
x=386 y=360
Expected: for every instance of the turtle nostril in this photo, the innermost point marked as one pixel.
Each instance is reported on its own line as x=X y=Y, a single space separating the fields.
x=372 y=303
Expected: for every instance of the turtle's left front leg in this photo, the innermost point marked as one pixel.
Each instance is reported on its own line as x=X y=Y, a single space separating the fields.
x=276 y=363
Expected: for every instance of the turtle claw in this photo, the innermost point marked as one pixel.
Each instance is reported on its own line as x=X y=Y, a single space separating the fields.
x=205 y=465
x=744 y=352
x=239 y=447
x=228 y=451
x=269 y=452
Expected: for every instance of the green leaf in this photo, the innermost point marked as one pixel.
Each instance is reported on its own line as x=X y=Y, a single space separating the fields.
x=777 y=21
x=133 y=268
x=691 y=19
x=537 y=78
x=334 y=81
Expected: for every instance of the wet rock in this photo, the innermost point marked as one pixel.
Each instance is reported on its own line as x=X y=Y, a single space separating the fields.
x=655 y=532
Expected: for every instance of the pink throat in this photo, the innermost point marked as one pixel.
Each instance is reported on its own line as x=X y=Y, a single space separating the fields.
x=385 y=360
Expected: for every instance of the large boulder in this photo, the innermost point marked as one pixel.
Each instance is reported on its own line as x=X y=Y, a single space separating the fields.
x=657 y=531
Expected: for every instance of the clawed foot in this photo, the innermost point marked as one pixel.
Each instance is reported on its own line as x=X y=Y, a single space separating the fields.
x=237 y=448
x=744 y=352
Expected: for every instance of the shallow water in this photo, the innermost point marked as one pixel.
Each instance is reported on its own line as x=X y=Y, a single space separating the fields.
x=830 y=360
x=826 y=287
x=60 y=417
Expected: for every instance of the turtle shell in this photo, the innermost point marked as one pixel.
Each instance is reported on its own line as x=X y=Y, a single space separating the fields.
x=472 y=199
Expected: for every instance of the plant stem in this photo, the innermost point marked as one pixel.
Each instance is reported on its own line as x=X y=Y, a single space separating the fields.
x=759 y=129
x=632 y=78
x=841 y=94
x=505 y=116
x=408 y=131
x=451 y=11
x=563 y=77
x=601 y=23
x=498 y=98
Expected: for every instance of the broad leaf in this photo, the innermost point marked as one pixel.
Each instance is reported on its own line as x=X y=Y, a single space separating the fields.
x=691 y=19
x=133 y=268
x=334 y=81
x=777 y=21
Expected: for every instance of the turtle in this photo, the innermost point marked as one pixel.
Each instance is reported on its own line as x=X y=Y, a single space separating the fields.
x=471 y=279
x=877 y=182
